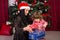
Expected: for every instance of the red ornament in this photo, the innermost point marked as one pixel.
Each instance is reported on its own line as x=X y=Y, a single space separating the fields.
x=34 y=1
x=45 y=15
x=33 y=5
x=45 y=3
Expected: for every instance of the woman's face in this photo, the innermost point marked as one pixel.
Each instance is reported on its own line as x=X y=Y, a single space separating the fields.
x=26 y=11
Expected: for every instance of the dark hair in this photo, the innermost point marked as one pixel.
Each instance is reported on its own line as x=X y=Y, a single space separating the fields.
x=22 y=13
x=36 y=15
x=23 y=16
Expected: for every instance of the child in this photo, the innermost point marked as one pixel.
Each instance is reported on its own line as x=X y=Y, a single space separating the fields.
x=38 y=26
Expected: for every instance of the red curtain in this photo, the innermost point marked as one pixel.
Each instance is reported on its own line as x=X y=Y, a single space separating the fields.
x=54 y=11
x=3 y=11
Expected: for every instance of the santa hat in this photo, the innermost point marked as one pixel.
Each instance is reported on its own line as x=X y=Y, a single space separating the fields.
x=23 y=5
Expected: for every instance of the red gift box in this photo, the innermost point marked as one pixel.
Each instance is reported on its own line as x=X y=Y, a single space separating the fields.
x=5 y=30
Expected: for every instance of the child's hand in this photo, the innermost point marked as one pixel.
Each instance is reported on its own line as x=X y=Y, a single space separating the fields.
x=39 y=28
x=45 y=24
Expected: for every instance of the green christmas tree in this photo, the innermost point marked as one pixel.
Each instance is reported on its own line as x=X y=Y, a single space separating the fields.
x=36 y=5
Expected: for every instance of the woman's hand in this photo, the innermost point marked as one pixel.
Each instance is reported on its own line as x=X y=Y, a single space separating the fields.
x=28 y=29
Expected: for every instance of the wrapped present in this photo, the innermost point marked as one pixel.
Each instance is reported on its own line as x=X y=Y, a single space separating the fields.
x=37 y=35
x=5 y=30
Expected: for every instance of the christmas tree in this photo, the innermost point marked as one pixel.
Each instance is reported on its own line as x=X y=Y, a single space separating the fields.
x=40 y=5
x=36 y=5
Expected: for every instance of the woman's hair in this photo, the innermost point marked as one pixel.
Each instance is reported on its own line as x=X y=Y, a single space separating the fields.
x=23 y=16
x=36 y=15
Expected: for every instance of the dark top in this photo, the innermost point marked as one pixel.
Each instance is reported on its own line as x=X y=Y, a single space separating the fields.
x=20 y=22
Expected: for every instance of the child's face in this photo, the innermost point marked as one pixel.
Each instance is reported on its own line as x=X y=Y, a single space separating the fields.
x=38 y=20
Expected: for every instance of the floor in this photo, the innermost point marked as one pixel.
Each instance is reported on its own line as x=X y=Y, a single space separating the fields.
x=53 y=35
x=50 y=35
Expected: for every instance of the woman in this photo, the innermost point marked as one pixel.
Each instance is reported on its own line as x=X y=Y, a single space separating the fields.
x=21 y=22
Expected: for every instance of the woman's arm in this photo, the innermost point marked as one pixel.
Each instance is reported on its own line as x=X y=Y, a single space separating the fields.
x=17 y=24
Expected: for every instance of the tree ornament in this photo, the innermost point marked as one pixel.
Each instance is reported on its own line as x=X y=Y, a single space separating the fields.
x=45 y=1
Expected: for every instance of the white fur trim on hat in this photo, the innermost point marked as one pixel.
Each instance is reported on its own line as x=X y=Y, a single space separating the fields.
x=25 y=7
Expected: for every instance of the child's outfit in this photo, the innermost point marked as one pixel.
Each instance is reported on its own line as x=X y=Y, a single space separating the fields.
x=37 y=34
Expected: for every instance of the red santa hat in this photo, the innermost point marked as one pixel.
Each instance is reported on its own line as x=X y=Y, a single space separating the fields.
x=23 y=5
